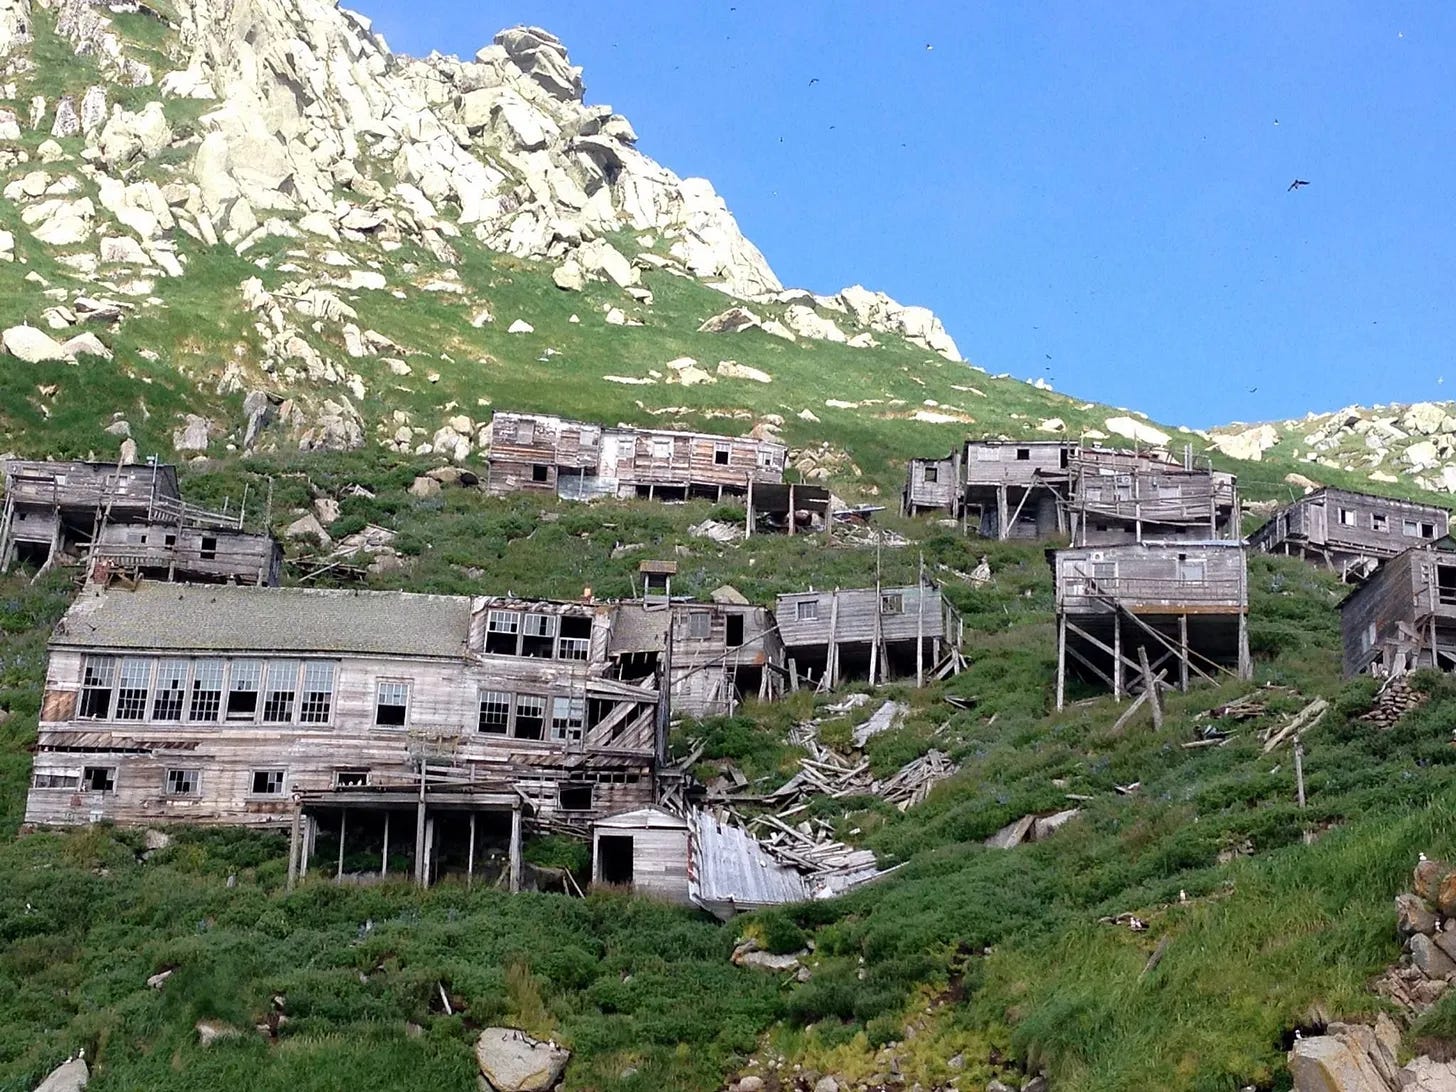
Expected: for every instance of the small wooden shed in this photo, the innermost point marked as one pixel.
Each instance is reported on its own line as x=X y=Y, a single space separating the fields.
x=645 y=851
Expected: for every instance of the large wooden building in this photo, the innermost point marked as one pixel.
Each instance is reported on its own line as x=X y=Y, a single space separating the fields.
x=420 y=727
x=1350 y=532
x=1170 y=608
x=1035 y=489
x=129 y=519
x=579 y=461
x=869 y=633
x=1403 y=616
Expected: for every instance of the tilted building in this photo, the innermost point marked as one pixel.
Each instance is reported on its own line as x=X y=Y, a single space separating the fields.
x=1349 y=532
x=1403 y=616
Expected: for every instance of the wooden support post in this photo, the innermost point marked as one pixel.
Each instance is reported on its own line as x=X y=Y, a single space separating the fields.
x=429 y=850
x=343 y=829
x=1061 y=661
x=1299 y=768
x=748 y=517
x=310 y=831
x=1150 y=688
x=1117 y=656
x=920 y=625
x=1246 y=665
x=832 y=674
x=1001 y=529
x=420 y=832
x=1183 y=653
x=384 y=853
x=470 y=859
x=516 y=848
x=791 y=509
x=294 y=842
x=793 y=675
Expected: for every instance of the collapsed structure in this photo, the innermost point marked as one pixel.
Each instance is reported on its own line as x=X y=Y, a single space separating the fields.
x=128 y=519
x=1403 y=616
x=1129 y=615
x=1033 y=489
x=1349 y=532
x=537 y=452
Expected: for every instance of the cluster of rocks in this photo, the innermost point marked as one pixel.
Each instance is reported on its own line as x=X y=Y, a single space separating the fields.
x=35 y=346
x=1395 y=699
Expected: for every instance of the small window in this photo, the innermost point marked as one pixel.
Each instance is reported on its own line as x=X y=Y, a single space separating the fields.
x=391 y=704
x=766 y=460
x=317 y=701
x=530 y=717
x=171 y=690
x=662 y=449
x=575 y=643
x=242 y=697
x=183 y=782
x=209 y=547
x=720 y=455
x=55 y=781
x=206 y=691
x=97 y=677
x=540 y=473
x=502 y=628
x=1347 y=517
x=574 y=797
x=99 y=779
x=1428 y=530
x=169 y=541
x=281 y=693
x=932 y=474
x=568 y=718
x=495 y=712
x=1379 y=521
x=1023 y=454
x=268 y=782
x=133 y=688
x=806 y=610
x=526 y=432
x=1192 y=572
x=892 y=603
x=351 y=779
x=1410 y=528
x=700 y=625
x=538 y=636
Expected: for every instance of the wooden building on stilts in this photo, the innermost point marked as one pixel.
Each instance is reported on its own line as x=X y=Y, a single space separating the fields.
x=1172 y=612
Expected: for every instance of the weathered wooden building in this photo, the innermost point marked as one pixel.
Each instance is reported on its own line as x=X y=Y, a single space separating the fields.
x=1350 y=532
x=1034 y=489
x=1403 y=616
x=126 y=518
x=1170 y=608
x=580 y=461
x=715 y=654
x=870 y=633
x=412 y=727
x=645 y=851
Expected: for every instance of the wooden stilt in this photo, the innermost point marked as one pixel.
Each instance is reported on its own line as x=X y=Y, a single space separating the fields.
x=516 y=849
x=1061 y=661
x=1299 y=768
x=1117 y=656
x=310 y=831
x=1183 y=653
x=791 y=509
x=470 y=859
x=343 y=829
x=1246 y=665
x=294 y=842
x=1150 y=688
x=429 y=850
x=920 y=624
x=1002 y=532
x=384 y=853
x=420 y=832
x=748 y=517
x=832 y=673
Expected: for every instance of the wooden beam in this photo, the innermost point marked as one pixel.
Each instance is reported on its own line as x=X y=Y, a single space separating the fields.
x=1150 y=688
x=1117 y=656
x=1090 y=666
x=343 y=828
x=516 y=849
x=420 y=831
x=470 y=858
x=294 y=841
x=1183 y=653
x=1061 y=661
x=384 y=853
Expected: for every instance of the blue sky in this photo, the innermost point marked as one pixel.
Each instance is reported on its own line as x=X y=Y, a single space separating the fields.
x=1095 y=194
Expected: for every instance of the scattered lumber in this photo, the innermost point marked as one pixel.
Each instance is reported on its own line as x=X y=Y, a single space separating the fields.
x=1303 y=721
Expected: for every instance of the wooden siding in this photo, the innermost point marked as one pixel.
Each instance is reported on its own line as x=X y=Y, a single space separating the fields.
x=191 y=552
x=78 y=485
x=859 y=614
x=1009 y=462
x=1183 y=577
x=932 y=485
x=1403 y=616
x=1344 y=523
x=659 y=857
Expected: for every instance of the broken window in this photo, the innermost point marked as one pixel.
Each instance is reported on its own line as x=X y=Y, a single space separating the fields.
x=1410 y=528
x=206 y=690
x=720 y=455
x=281 y=693
x=134 y=685
x=806 y=610
x=170 y=690
x=766 y=458
x=316 y=702
x=1347 y=517
x=575 y=643
x=209 y=547
x=99 y=779
x=932 y=474
x=55 y=781
x=268 y=782
x=1379 y=521
x=1023 y=454
x=700 y=625
x=734 y=630
x=574 y=797
x=97 y=677
x=538 y=636
x=391 y=703
x=540 y=473
x=495 y=711
x=502 y=628
x=892 y=603
x=169 y=541
x=568 y=717
x=1446 y=584
x=242 y=697
x=530 y=717
x=1428 y=530
x=183 y=782
x=351 y=779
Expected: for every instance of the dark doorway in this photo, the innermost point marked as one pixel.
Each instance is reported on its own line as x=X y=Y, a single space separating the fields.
x=735 y=630
x=614 y=858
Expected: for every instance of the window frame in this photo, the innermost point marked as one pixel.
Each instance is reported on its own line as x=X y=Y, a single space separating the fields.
x=806 y=610
x=398 y=688
x=174 y=777
x=267 y=775
x=509 y=707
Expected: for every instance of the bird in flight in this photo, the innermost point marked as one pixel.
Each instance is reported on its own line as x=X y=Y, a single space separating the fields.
x=928 y=47
x=1296 y=184
x=813 y=81
x=1253 y=390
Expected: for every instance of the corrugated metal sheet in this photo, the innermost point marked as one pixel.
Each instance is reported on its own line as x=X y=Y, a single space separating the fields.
x=729 y=871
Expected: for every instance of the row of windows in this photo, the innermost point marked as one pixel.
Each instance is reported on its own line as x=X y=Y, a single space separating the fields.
x=175 y=782
x=1380 y=522
x=207 y=690
x=807 y=610
x=539 y=636
x=524 y=716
